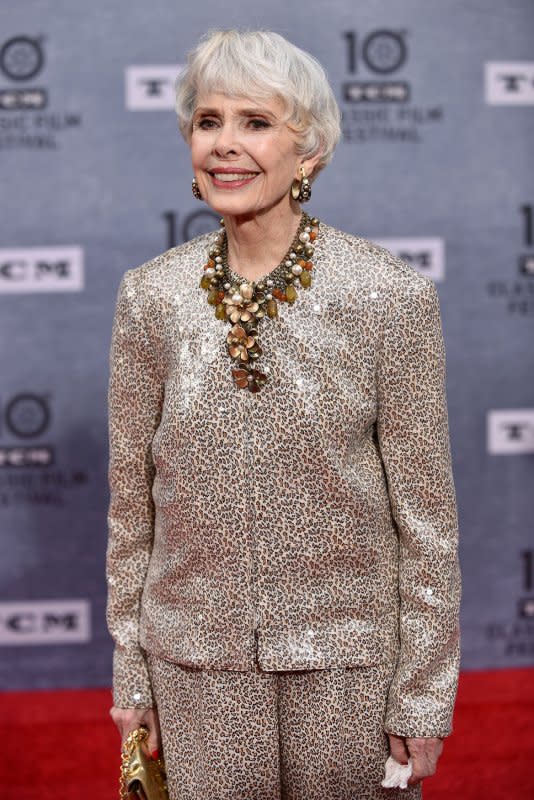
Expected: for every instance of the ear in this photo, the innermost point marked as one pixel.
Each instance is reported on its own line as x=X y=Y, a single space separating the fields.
x=310 y=163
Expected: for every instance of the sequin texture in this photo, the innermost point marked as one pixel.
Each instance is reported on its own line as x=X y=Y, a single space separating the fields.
x=241 y=522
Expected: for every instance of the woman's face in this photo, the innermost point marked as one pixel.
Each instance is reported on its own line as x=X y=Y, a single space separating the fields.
x=243 y=153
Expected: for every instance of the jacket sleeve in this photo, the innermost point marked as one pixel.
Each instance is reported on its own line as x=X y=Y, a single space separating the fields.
x=134 y=409
x=413 y=437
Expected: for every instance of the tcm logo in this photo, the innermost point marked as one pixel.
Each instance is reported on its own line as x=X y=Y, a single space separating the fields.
x=21 y=59
x=45 y=622
x=426 y=255
x=509 y=83
x=510 y=432
x=379 y=54
x=24 y=270
x=151 y=88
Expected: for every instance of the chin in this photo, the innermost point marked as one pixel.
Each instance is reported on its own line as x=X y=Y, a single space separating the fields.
x=245 y=207
x=233 y=207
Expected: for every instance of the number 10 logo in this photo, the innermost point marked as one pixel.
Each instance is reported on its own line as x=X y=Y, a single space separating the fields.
x=381 y=51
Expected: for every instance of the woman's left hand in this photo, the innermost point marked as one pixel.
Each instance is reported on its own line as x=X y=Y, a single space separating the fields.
x=424 y=753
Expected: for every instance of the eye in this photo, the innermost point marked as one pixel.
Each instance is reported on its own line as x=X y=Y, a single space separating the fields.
x=205 y=123
x=259 y=124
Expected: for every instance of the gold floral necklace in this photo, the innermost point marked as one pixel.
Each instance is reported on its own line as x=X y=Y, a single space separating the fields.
x=244 y=303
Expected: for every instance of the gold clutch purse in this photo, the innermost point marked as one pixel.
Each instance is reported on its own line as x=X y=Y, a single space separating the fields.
x=141 y=778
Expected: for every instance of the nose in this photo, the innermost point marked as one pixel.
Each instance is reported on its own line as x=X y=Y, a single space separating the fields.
x=226 y=142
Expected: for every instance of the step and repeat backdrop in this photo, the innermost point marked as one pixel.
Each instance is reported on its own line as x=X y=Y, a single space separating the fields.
x=435 y=163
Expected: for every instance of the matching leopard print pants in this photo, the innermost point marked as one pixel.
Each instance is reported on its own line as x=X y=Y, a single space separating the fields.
x=299 y=735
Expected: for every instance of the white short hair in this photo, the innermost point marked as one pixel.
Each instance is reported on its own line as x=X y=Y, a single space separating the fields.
x=260 y=65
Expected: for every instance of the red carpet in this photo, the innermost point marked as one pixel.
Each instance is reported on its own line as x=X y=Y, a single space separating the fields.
x=63 y=746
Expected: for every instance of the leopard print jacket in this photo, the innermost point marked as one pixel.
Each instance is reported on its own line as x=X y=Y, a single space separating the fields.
x=309 y=525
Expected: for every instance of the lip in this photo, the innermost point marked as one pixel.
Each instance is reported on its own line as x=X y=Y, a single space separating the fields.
x=237 y=183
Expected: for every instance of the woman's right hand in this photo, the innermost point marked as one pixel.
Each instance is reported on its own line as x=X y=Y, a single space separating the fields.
x=128 y=719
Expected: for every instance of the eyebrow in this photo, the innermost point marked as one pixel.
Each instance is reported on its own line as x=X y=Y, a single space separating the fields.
x=245 y=112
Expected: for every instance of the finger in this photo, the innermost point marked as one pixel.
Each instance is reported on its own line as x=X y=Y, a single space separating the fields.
x=398 y=749
x=116 y=715
x=419 y=771
x=421 y=768
x=425 y=753
x=128 y=719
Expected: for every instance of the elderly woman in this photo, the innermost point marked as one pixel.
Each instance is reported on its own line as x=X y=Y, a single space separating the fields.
x=282 y=564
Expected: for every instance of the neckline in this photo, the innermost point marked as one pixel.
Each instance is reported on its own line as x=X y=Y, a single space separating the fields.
x=275 y=272
x=246 y=303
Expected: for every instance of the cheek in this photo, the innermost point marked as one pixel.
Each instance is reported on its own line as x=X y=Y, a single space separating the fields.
x=287 y=162
x=199 y=149
x=279 y=165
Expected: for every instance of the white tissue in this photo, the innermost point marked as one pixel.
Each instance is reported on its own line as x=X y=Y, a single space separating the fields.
x=396 y=775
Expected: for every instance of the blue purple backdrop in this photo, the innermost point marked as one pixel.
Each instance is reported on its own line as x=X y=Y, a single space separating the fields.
x=437 y=99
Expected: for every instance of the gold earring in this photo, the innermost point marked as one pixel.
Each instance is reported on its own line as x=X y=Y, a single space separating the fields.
x=301 y=189
x=196 y=189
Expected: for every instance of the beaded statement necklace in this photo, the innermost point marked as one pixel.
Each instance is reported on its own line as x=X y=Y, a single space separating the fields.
x=244 y=303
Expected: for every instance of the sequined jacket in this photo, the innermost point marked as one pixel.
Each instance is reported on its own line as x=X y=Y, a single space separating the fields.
x=307 y=526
